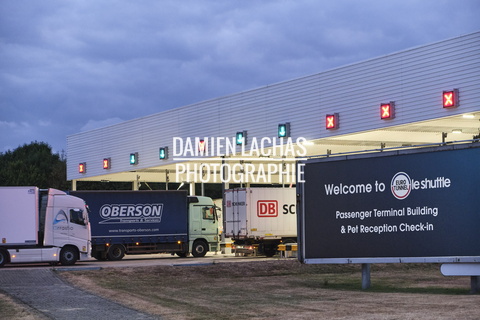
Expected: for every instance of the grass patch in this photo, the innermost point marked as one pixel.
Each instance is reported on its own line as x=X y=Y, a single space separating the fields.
x=7 y=308
x=280 y=289
x=12 y=310
x=411 y=278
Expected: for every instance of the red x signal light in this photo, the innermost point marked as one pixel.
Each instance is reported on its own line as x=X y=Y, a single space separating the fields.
x=331 y=121
x=450 y=98
x=202 y=146
x=106 y=163
x=387 y=110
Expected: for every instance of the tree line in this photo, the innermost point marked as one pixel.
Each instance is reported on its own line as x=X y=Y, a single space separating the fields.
x=36 y=165
x=33 y=164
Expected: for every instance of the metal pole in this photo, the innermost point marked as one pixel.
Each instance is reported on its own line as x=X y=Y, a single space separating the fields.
x=474 y=284
x=167 y=178
x=365 y=276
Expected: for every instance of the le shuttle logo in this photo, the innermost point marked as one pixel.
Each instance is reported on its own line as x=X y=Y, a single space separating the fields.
x=401 y=185
x=267 y=208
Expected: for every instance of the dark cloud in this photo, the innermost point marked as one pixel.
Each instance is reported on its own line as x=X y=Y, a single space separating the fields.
x=68 y=66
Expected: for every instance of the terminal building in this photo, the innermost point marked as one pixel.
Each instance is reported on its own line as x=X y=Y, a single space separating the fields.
x=421 y=96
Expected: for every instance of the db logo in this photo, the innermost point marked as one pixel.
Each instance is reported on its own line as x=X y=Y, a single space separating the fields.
x=267 y=208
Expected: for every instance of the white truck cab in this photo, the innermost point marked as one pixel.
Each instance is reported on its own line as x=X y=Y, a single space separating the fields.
x=42 y=226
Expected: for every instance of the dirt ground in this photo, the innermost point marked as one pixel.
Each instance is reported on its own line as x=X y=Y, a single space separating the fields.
x=285 y=289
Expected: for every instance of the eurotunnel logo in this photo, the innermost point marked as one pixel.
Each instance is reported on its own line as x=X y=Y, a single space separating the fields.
x=401 y=185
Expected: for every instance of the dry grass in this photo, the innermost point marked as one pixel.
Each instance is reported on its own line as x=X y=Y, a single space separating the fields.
x=13 y=310
x=284 y=289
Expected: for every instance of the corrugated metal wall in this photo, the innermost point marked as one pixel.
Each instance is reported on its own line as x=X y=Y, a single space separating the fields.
x=414 y=79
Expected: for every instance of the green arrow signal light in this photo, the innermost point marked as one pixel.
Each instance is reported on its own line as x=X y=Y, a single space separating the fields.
x=163 y=153
x=241 y=138
x=134 y=158
x=284 y=130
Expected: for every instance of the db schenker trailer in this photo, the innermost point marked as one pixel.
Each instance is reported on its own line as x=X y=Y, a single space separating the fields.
x=260 y=217
x=141 y=222
x=42 y=226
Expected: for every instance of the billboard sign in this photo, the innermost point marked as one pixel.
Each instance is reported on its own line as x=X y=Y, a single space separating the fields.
x=418 y=205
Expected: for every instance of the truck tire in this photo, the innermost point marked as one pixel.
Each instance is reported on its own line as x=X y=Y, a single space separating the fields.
x=3 y=257
x=116 y=252
x=199 y=249
x=68 y=256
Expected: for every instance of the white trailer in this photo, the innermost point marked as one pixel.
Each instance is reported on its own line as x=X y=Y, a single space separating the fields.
x=263 y=217
x=42 y=226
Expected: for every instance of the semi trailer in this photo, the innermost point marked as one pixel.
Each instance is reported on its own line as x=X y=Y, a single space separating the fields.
x=42 y=226
x=260 y=218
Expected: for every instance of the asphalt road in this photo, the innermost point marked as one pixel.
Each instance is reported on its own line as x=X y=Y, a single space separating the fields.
x=39 y=287
x=142 y=260
x=42 y=290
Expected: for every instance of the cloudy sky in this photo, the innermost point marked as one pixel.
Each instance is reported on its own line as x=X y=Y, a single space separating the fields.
x=72 y=66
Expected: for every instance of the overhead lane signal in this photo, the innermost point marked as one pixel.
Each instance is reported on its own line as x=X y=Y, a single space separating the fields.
x=134 y=158
x=202 y=146
x=331 y=121
x=450 y=98
x=82 y=167
x=284 y=130
x=106 y=163
x=163 y=153
x=387 y=110
x=241 y=138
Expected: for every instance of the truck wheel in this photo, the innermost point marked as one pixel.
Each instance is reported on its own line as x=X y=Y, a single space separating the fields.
x=116 y=252
x=68 y=256
x=3 y=257
x=199 y=249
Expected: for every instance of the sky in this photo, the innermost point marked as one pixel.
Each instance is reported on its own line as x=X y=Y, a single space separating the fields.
x=73 y=66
